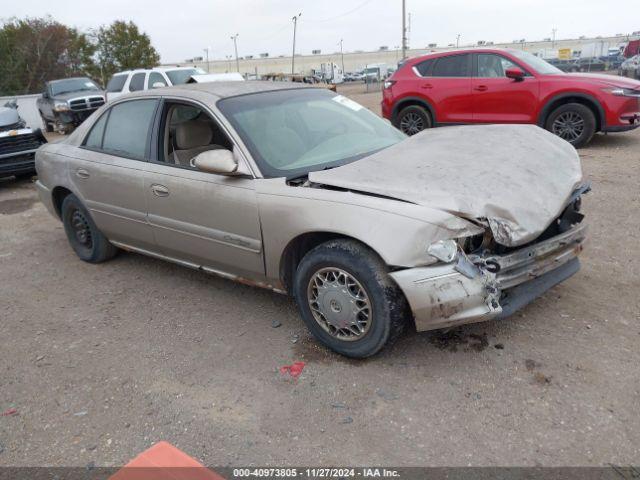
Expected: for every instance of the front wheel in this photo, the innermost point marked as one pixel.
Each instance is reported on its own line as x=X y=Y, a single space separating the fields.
x=413 y=119
x=347 y=299
x=87 y=241
x=572 y=122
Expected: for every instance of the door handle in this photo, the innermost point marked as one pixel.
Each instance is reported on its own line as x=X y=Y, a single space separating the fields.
x=82 y=173
x=427 y=86
x=160 y=190
x=481 y=88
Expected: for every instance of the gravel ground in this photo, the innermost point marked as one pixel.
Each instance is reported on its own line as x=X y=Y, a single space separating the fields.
x=101 y=361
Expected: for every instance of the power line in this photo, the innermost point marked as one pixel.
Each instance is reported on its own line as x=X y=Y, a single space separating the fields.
x=342 y=14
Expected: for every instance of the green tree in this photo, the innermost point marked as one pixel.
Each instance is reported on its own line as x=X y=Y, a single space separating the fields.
x=121 y=46
x=35 y=50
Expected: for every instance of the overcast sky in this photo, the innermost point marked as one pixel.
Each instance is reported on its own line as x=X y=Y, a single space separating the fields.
x=182 y=29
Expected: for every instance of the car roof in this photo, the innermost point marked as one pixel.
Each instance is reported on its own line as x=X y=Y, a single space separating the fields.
x=154 y=69
x=70 y=78
x=225 y=89
x=456 y=51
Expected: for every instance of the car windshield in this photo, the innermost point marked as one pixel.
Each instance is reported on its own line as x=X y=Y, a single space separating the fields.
x=538 y=64
x=73 y=85
x=178 y=77
x=293 y=132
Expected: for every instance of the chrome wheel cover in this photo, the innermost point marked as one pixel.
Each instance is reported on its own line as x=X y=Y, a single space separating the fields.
x=569 y=126
x=340 y=304
x=412 y=123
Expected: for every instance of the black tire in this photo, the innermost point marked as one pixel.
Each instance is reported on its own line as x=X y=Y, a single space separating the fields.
x=84 y=237
x=48 y=127
x=413 y=119
x=572 y=122
x=25 y=175
x=388 y=306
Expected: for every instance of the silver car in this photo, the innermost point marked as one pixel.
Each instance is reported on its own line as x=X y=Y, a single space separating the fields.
x=307 y=193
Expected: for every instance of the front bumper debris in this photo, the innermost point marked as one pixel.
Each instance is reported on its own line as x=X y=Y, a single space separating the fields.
x=479 y=288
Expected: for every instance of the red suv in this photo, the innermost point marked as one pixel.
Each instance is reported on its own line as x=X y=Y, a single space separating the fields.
x=508 y=86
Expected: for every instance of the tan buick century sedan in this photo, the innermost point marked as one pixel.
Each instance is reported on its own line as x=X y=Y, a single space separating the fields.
x=306 y=192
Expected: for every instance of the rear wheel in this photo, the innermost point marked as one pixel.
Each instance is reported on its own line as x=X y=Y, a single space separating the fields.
x=572 y=122
x=84 y=237
x=48 y=127
x=347 y=299
x=413 y=119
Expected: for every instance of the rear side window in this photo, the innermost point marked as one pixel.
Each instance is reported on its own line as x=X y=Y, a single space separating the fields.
x=94 y=139
x=424 y=68
x=155 y=77
x=116 y=83
x=452 y=66
x=137 y=82
x=128 y=127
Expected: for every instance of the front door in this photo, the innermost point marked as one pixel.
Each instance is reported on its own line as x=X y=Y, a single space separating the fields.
x=498 y=99
x=108 y=172
x=201 y=218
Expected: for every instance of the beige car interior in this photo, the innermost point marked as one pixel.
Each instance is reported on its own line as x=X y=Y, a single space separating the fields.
x=189 y=131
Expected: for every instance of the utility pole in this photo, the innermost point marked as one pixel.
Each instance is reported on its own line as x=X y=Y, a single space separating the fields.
x=342 y=55
x=293 y=55
x=207 y=52
x=457 y=40
x=404 y=29
x=553 y=42
x=235 y=46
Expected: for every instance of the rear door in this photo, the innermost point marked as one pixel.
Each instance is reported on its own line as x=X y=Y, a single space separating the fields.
x=447 y=85
x=498 y=99
x=108 y=172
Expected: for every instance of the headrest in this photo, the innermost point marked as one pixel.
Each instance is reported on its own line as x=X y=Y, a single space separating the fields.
x=192 y=134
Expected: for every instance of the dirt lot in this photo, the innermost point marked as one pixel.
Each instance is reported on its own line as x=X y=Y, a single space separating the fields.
x=101 y=362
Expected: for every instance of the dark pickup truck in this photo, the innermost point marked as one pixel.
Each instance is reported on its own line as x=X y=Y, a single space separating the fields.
x=18 y=143
x=65 y=104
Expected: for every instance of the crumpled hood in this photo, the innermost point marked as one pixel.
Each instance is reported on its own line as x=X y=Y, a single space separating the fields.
x=518 y=177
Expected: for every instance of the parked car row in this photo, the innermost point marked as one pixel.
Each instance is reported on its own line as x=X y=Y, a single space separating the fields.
x=631 y=67
x=600 y=64
x=508 y=86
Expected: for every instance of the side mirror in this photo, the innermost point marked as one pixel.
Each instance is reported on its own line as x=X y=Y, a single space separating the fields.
x=158 y=85
x=45 y=94
x=514 y=73
x=220 y=161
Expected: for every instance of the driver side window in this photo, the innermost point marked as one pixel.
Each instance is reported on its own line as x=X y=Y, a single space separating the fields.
x=186 y=131
x=493 y=66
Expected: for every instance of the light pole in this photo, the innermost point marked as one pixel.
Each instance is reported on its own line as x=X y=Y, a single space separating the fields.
x=404 y=29
x=458 y=41
x=235 y=46
x=342 y=54
x=553 y=41
x=207 y=52
x=293 y=55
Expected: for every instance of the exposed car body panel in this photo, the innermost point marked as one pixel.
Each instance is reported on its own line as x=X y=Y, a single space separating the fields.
x=440 y=168
x=447 y=295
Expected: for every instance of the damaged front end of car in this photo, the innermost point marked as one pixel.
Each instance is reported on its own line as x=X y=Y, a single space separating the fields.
x=483 y=280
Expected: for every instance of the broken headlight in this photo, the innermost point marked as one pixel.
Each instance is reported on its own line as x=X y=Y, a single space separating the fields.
x=60 y=106
x=444 y=250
